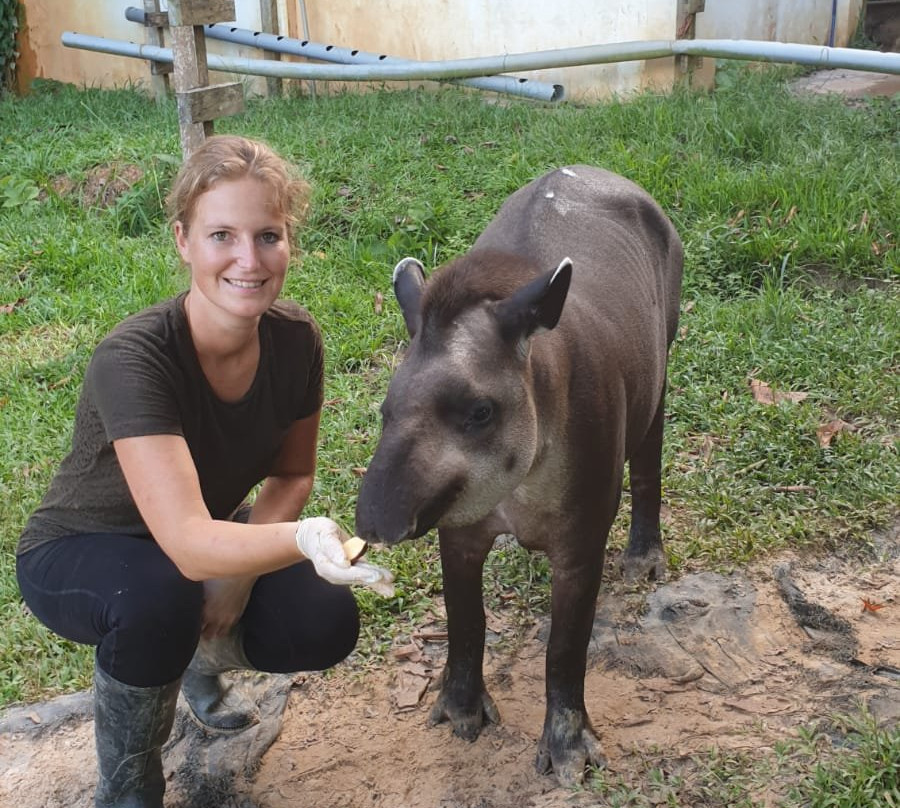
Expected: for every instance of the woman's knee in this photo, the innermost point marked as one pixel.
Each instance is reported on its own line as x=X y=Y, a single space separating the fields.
x=151 y=631
x=292 y=625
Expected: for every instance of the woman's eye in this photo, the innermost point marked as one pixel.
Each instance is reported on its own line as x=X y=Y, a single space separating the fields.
x=271 y=237
x=219 y=235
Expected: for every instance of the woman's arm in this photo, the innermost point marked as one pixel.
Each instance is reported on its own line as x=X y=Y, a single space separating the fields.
x=163 y=481
x=285 y=491
x=281 y=497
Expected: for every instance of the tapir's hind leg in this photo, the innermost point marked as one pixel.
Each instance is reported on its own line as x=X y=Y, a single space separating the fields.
x=644 y=556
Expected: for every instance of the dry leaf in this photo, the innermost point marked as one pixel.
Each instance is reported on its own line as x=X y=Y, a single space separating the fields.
x=826 y=432
x=379 y=302
x=409 y=689
x=9 y=308
x=765 y=394
x=411 y=652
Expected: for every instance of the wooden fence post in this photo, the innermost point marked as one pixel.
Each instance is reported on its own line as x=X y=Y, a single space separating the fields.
x=198 y=102
x=268 y=13
x=686 y=24
x=155 y=22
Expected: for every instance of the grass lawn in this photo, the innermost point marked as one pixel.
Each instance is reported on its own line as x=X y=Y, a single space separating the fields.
x=788 y=208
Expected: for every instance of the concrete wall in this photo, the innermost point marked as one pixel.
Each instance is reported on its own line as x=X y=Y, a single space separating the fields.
x=441 y=29
x=803 y=21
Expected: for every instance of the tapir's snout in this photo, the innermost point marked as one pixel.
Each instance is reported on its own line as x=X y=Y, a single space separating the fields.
x=384 y=512
x=396 y=502
x=378 y=522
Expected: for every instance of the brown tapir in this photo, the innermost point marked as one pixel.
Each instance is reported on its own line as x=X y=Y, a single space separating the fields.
x=536 y=368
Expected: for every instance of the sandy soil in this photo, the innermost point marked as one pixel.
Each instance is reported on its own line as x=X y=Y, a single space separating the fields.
x=705 y=661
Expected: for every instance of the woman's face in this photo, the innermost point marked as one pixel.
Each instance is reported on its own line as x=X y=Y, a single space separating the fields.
x=237 y=248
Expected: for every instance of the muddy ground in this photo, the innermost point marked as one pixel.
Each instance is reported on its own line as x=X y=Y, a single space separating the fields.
x=736 y=662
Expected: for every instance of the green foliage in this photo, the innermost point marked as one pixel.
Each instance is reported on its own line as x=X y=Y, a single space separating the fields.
x=18 y=192
x=9 y=26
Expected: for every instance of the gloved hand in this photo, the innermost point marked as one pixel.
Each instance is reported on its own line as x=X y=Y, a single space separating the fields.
x=321 y=540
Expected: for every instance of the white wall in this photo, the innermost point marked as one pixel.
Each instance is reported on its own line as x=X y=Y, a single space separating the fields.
x=441 y=29
x=803 y=21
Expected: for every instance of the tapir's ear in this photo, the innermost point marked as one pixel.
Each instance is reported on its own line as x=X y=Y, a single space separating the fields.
x=536 y=306
x=408 y=282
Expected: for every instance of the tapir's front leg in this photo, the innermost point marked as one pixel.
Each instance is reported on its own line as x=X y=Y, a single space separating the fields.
x=463 y=699
x=568 y=742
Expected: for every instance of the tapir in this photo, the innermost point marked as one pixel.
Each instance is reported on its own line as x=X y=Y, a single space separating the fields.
x=536 y=368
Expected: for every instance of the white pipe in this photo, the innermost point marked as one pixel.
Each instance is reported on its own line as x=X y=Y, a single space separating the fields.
x=517 y=62
x=539 y=91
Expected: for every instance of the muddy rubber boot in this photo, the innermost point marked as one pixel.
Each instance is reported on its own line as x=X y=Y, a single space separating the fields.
x=213 y=704
x=130 y=726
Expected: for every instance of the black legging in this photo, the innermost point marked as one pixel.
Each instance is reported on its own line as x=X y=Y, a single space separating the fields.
x=123 y=595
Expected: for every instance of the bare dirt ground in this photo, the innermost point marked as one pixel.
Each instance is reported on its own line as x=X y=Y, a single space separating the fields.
x=734 y=662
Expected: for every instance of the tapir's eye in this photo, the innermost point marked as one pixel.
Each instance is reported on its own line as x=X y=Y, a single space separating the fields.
x=481 y=414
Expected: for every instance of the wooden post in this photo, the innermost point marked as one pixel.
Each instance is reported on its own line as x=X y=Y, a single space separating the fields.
x=268 y=14
x=686 y=24
x=155 y=21
x=198 y=103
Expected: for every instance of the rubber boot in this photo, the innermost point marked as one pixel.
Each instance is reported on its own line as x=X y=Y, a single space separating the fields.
x=215 y=705
x=130 y=726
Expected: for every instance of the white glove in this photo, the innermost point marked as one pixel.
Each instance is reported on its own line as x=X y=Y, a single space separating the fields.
x=321 y=540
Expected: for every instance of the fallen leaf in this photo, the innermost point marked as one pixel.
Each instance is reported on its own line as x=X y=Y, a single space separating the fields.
x=9 y=308
x=412 y=652
x=409 y=689
x=826 y=432
x=379 y=302
x=768 y=395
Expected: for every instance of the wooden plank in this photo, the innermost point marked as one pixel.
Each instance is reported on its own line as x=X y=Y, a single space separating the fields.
x=685 y=24
x=191 y=72
x=189 y=53
x=200 y=12
x=268 y=14
x=216 y=101
x=154 y=23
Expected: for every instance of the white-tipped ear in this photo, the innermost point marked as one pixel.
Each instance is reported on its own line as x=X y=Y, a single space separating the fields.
x=537 y=306
x=408 y=280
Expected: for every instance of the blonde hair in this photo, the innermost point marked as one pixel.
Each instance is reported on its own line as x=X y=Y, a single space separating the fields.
x=231 y=157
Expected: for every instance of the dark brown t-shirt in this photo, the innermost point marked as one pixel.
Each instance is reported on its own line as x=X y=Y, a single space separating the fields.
x=145 y=379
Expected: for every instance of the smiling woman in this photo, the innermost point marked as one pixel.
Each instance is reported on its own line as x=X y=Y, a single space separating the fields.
x=146 y=545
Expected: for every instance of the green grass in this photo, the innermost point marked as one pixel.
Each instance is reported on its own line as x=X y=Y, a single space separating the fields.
x=840 y=762
x=786 y=205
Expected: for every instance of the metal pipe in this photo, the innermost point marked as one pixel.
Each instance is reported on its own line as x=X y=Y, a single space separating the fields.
x=540 y=60
x=511 y=85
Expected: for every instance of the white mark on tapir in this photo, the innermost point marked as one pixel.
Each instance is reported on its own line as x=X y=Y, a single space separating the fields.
x=536 y=369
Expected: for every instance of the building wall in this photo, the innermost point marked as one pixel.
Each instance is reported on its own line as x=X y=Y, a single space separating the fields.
x=802 y=21
x=439 y=30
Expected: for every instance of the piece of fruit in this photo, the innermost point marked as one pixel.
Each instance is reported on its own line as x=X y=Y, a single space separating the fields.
x=354 y=549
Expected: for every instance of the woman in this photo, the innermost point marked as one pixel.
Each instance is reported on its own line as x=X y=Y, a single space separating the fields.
x=143 y=545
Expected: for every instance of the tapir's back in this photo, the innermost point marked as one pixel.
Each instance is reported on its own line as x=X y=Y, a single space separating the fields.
x=625 y=251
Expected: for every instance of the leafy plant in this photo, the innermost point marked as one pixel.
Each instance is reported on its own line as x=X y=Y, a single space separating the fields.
x=17 y=192
x=9 y=26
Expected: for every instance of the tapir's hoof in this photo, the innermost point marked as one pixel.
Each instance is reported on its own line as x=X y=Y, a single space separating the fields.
x=648 y=567
x=466 y=725
x=568 y=757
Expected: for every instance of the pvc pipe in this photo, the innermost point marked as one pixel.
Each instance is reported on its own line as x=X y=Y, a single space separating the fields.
x=511 y=85
x=491 y=65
